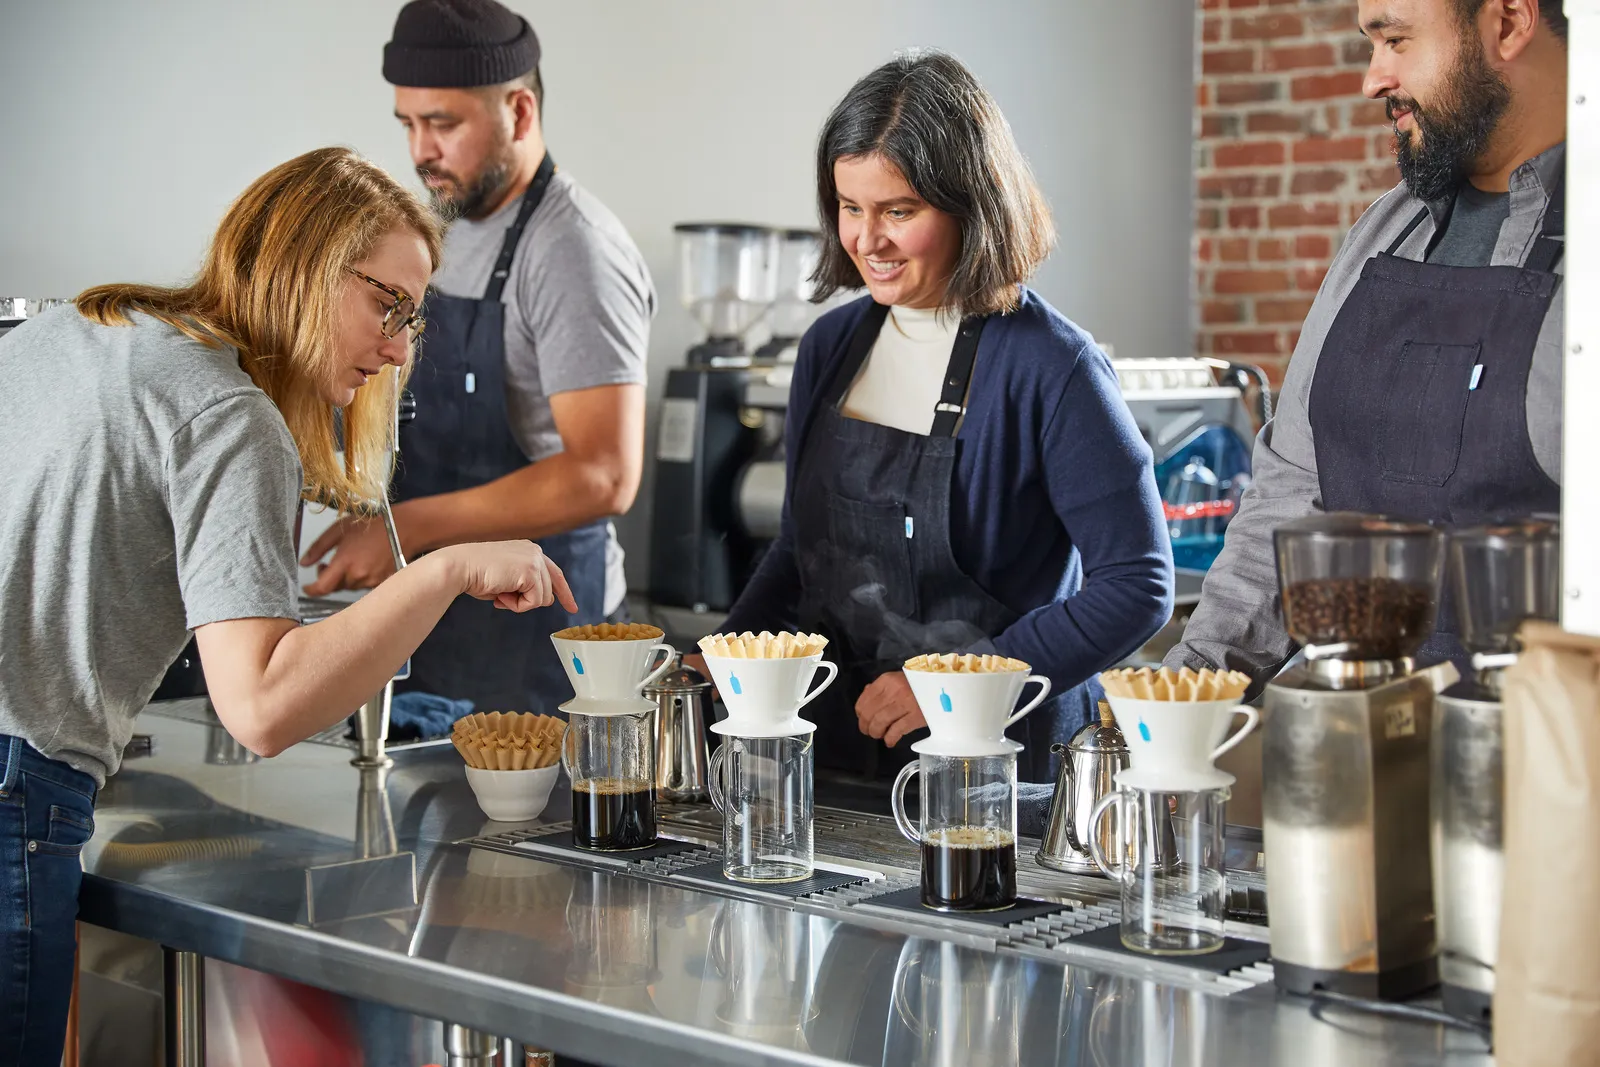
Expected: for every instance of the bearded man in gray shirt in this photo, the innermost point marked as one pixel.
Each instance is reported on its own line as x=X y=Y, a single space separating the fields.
x=1427 y=380
x=529 y=384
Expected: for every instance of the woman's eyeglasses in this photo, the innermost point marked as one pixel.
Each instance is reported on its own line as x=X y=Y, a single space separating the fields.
x=401 y=314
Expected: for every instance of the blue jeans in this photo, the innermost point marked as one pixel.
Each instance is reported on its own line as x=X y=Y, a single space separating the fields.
x=46 y=815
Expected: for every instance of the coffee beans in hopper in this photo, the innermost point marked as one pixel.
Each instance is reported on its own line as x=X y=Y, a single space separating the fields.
x=1381 y=618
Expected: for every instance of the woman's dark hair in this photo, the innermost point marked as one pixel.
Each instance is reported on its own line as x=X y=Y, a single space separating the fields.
x=927 y=115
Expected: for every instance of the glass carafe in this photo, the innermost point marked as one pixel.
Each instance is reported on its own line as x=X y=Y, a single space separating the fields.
x=611 y=760
x=1358 y=587
x=763 y=788
x=967 y=829
x=1168 y=908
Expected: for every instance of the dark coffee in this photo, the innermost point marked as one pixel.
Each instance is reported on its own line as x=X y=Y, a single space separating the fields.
x=969 y=868
x=613 y=814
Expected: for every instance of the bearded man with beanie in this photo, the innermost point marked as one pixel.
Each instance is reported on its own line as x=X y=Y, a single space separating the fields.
x=529 y=388
x=1426 y=383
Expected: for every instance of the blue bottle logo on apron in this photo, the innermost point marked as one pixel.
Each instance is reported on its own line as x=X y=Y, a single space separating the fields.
x=944 y=701
x=577 y=664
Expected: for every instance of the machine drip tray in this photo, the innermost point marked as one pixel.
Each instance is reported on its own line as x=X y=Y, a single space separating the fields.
x=1235 y=954
x=559 y=843
x=910 y=900
x=820 y=882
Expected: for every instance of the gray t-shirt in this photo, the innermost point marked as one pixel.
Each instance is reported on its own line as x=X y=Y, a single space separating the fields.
x=1474 y=228
x=148 y=487
x=578 y=306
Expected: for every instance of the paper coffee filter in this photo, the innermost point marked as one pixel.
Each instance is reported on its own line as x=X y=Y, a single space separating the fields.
x=508 y=741
x=765 y=645
x=612 y=631
x=1183 y=685
x=967 y=663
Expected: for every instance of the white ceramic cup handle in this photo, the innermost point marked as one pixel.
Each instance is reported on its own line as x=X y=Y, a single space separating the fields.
x=661 y=668
x=714 y=775
x=1044 y=691
x=1249 y=713
x=897 y=801
x=1114 y=873
x=833 y=672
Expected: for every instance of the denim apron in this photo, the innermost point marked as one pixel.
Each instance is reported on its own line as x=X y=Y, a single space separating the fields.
x=871 y=513
x=461 y=437
x=1419 y=404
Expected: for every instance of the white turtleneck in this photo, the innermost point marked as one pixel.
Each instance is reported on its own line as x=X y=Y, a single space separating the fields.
x=904 y=373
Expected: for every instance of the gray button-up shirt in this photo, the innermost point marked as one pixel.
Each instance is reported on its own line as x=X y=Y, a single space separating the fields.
x=1238 y=623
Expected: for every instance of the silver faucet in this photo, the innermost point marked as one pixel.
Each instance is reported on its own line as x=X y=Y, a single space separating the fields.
x=372 y=721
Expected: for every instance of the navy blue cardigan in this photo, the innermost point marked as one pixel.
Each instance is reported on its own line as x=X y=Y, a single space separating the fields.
x=1054 y=509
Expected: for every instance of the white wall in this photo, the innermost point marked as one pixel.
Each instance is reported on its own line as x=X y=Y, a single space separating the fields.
x=129 y=126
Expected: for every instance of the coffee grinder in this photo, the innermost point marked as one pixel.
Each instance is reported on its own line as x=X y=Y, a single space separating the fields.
x=1501 y=575
x=792 y=311
x=1345 y=758
x=700 y=552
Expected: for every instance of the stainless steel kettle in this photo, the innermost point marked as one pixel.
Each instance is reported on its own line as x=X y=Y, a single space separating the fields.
x=682 y=696
x=1089 y=763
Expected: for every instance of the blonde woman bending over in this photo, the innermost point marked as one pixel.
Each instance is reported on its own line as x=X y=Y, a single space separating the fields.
x=157 y=445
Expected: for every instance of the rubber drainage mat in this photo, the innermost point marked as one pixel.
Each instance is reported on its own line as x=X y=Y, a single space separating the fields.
x=910 y=901
x=560 y=841
x=1233 y=954
x=819 y=882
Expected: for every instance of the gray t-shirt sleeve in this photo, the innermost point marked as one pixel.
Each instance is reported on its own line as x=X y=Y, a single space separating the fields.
x=585 y=311
x=233 y=489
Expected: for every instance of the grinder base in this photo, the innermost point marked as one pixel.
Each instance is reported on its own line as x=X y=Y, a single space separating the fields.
x=1470 y=1004
x=1397 y=983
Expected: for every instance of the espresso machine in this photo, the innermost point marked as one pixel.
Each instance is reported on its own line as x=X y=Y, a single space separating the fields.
x=701 y=552
x=1194 y=415
x=1501 y=575
x=1345 y=758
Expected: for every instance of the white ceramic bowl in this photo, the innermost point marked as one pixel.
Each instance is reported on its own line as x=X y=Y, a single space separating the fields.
x=513 y=796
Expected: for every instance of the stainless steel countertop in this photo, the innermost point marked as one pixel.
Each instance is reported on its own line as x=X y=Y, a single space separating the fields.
x=213 y=857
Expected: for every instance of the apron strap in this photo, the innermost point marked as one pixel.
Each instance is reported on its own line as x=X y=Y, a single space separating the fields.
x=508 y=247
x=1548 y=247
x=957 y=376
x=1394 y=249
x=862 y=339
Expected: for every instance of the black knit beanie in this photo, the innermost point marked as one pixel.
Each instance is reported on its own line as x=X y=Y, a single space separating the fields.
x=458 y=44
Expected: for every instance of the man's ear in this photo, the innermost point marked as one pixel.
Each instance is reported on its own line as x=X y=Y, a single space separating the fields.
x=1516 y=23
x=525 y=112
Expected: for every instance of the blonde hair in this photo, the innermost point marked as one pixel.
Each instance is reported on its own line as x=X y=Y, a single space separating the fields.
x=271 y=287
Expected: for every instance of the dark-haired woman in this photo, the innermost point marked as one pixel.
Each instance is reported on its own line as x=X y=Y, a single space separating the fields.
x=963 y=472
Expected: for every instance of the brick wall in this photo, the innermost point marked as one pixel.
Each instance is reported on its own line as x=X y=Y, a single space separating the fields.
x=1289 y=155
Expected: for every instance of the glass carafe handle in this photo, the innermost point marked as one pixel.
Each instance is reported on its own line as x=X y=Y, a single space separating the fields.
x=714 y=775
x=897 y=801
x=568 y=738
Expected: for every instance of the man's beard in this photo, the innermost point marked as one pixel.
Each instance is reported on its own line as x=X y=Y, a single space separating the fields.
x=472 y=201
x=1456 y=130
